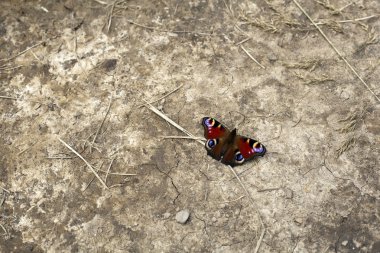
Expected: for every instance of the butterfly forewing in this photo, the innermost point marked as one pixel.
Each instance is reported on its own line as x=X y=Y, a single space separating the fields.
x=213 y=129
x=216 y=134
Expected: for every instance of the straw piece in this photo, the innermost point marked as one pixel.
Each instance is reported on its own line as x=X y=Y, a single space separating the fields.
x=250 y=56
x=156 y=111
x=6 y=97
x=84 y=160
x=22 y=52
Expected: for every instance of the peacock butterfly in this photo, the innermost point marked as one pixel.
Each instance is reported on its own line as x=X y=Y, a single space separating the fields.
x=227 y=146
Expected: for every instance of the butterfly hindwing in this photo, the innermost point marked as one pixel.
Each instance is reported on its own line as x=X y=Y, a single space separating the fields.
x=216 y=135
x=243 y=149
x=250 y=148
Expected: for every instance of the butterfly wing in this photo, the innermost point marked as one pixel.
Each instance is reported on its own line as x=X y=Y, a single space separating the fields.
x=216 y=135
x=243 y=149
x=250 y=148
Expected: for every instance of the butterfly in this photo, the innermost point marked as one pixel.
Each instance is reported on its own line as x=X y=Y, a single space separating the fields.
x=227 y=146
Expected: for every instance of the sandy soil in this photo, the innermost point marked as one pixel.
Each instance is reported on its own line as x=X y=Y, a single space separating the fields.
x=79 y=71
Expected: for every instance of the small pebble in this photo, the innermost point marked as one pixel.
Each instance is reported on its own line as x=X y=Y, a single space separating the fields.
x=166 y=215
x=272 y=57
x=344 y=243
x=357 y=244
x=298 y=221
x=182 y=216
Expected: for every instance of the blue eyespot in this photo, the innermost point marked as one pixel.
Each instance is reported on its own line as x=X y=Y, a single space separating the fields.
x=239 y=157
x=209 y=122
x=211 y=143
x=259 y=149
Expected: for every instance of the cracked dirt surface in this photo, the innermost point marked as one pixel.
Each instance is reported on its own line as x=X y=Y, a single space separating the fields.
x=317 y=188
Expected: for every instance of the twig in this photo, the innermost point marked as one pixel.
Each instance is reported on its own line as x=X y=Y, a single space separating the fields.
x=100 y=2
x=297 y=122
x=22 y=52
x=158 y=99
x=110 y=16
x=253 y=204
x=22 y=151
x=182 y=137
x=6 y=232
x=108 y=170
x=142 y=26
x=347 y=5
x=250 y=56
x=44 y=9
x=116 y=185
x=35 y=56
x=269 y=189
x=156 y=111
x=97 y=132
x=243 y=41
x=5 y=190
x=89 y=183
x=168 y=31
x=93 y=178
x=59 y=157
x=229 y=8
x=5 y=97
x=118 y=173
x=8 y=68
x=3 y=199
x=84 y=160
x=234 y=200
x=336 y=50
x=358 y=19
x=260 y=239
x=351 y=20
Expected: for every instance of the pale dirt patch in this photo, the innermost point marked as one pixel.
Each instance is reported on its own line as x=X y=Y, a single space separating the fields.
x=306 y=107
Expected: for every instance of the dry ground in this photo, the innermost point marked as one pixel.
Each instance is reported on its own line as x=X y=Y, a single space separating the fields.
x=62 y=63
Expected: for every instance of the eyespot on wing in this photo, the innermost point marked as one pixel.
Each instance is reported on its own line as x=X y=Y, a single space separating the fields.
x=250 y=148
x=213 y=129
x=211 y=143
x=239 y=157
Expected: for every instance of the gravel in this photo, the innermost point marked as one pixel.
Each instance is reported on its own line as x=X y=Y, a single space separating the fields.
x=182 y=216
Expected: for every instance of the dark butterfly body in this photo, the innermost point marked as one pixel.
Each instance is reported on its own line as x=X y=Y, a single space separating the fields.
x=227 y=146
